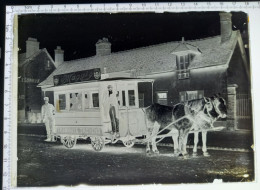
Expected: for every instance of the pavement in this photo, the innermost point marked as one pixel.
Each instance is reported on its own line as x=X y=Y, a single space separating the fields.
x=43 y=164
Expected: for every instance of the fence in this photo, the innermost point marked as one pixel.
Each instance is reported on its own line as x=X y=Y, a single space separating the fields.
x=244 y=106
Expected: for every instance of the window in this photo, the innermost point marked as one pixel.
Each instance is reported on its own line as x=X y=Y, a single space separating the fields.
x=61 y=104
x=182 y=66
x=86 y=101
x=123 y=98
x=191 y=95
x=141 y=100
x=95 y=100
x=182 y=62
x=145 y=91
x=131 y=97
x=47 y=65
x=183 y=75
x=75 y=102
x=162 y=98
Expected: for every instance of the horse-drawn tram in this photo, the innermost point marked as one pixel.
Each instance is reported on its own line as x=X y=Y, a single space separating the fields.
x=86 y=104
x=109 y=110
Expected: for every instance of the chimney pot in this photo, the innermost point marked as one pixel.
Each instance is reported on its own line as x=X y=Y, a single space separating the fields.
x=103 y=47
x=32 y=46
x=59 y=56
x=225 y=26
x=182 y=40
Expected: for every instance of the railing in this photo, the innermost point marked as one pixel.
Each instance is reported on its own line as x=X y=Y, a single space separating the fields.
x=244 y=106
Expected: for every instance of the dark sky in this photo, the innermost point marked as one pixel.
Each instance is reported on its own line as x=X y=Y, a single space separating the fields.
x=78 y=33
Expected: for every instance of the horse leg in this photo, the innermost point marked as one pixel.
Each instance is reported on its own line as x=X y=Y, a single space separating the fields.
x=196 y=140
x=204 y=143
x=185 y=138
x=176 y=143
x=156 y=128
x=148 y=150
x=181 y=140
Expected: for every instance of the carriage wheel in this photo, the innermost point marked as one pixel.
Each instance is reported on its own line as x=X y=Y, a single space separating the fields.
x=97 y=143
x=129 y=143
x=69 y=141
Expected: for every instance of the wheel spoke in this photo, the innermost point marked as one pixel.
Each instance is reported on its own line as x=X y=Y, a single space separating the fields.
x=97 y=143
x=69 y=142
x=129 y=143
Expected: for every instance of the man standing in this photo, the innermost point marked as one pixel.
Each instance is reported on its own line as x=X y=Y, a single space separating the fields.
x=48 y=112
x=110 y=104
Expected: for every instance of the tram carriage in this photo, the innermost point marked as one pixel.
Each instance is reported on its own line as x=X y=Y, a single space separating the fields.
x=79 y=112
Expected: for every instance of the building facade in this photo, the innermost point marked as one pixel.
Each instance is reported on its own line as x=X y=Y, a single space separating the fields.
x=183 y=70
x=35 y=65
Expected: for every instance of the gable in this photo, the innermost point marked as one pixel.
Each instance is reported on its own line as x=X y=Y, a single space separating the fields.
x=39 y=66
x=237 y=71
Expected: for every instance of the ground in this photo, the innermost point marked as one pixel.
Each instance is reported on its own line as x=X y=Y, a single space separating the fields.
x=47 y=164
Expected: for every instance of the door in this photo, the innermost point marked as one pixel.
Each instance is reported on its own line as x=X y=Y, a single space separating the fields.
x=131 y=117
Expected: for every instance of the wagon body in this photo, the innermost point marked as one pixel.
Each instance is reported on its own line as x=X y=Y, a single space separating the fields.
x=80 y=111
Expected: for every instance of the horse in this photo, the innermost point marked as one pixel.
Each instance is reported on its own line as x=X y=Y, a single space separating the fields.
x=180 y=119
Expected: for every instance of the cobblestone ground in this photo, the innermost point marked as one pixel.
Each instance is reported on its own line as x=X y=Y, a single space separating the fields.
x=48 y=164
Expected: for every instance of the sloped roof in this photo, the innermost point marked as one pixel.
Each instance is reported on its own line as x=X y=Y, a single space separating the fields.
x=153 y=59
x=21 y=58
x=184 y=46
x=24 y=61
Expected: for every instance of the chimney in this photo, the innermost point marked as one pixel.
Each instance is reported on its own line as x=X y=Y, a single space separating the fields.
x=59 y=56
x=225 y=26
x=103 y=47
x=32 y=46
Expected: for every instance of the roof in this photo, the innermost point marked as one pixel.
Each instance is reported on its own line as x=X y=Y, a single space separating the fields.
x=153 y=59
x=21 y=58
x=184 y=46
x=24 y=61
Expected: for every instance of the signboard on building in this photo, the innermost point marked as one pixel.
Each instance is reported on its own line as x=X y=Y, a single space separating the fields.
x=79 y=76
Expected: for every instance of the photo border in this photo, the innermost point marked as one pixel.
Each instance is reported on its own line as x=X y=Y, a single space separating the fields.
x=11 y=65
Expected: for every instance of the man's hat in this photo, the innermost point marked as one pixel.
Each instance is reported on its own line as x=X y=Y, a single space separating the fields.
x=46 y=98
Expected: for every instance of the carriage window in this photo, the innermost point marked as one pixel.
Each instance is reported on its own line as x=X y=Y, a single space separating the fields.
x=145 y=91
x=141 y=100
x=61 y=104
x=86 y=101
x=162 y=98
x=95 y=100
x=131 y=97
x=123 y=97
x=75 y=101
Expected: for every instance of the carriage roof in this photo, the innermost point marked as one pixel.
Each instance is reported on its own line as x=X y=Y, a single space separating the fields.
x=122 y=79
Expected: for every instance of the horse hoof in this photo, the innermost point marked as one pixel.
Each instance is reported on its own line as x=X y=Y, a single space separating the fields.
x=176 y=154
x=194 y=154
x=185 y=153
x=156 y=152
x=206 y=154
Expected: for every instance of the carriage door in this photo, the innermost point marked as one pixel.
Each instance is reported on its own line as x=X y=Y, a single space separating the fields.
x=129 y=111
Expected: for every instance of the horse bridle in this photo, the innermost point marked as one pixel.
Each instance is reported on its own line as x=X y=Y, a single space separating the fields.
x=213 y=119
